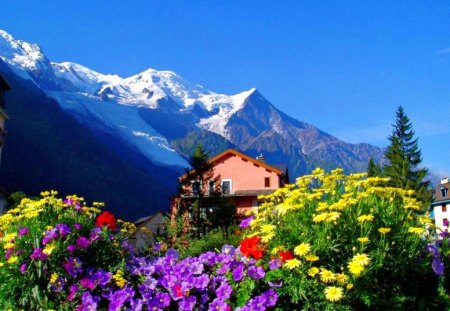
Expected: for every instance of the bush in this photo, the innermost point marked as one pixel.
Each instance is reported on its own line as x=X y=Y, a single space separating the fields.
x=211 y=241
x=345 y=242
x=52 y=248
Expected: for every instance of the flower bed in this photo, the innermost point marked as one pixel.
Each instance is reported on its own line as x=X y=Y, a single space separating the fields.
x=330 y=242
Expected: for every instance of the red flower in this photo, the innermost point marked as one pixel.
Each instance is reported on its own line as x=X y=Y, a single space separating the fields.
x=106 y=219
x=249 y=247
x=285 y=255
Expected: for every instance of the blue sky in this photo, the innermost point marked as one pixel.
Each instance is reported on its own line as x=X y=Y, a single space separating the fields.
x=343 y=66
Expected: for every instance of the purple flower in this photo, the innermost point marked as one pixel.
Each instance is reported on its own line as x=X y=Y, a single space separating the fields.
x=88 y=302
x=246 y=222
x=87 y=283
x=83 y=242
x=23 y=231
x=276 y=284
x=71 y=248
x=201 y=282
x=224 y=291
x=256 y=273
x=162 y=300
x=101 y=277
x=95 y=234
x=77 y=226
x=271 y=297
x=228 y=249
x=49 y=236
x=9 y=252
x=219 y=305
x=63 y=229
x=172 y=253
x=23 y=268
x=238 y=272
x=73 y=266
x=73 y=203
x=275 y=264
x=438 y=266
x=37 y=254
x=118 y=298
x=58 y=285
x=187 y=303
x=446 y=222
x=73 y=290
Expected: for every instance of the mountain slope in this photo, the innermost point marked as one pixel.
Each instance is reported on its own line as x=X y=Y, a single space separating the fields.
x=47 y=149
x=148 y=124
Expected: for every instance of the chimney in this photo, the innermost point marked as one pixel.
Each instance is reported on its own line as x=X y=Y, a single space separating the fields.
x=444 y=180
x=260 y=157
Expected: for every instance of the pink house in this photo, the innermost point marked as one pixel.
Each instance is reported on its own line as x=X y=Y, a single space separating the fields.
x=244 y=178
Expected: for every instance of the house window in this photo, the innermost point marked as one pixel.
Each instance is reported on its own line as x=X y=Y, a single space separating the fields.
x=267 y=182
x=211 y=187
x=196 y=188
x=444 y=208
x=226 y=186
x=444 y=192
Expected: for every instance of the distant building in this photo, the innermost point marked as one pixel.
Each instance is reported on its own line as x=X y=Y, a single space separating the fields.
x=147 y=230
x=440 y=206
x=243 y=178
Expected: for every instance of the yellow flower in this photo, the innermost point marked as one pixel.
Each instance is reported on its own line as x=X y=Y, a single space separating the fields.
x=363 y=240
x=364 y=218
x=266 y=238
x=384 y=230
x=267 y=228
x=321 y=217
x=9 y=236
x=276 y=249
x=302 y=249
x=341 y=278
x=118 y=278
x=327 y=276
x=313 y=271
x=361 y=259
x=311 y=258
x=292 y=263
x=53 y=277
x=12 y=259
x=49 y=248
x=416 y=230
x=1 y=264
x=333 y=293
x=349 y=286
x=333 y=216
x=355 y=268
x=8 y=245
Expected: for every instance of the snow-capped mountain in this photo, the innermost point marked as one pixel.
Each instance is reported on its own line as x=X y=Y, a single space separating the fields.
x=155 y=118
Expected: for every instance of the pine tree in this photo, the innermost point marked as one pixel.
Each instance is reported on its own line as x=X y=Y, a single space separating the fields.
x=374 y=169
x=404 y=158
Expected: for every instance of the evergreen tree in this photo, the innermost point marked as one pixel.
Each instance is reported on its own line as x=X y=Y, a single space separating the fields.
x=404 y=158
x=374 y=169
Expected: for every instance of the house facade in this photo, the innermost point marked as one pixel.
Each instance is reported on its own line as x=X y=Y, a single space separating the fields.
x=441 y=204
x=241 y=179
x=147 y=230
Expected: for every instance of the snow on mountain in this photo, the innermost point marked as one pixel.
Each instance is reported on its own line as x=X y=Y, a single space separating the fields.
x=152 y=110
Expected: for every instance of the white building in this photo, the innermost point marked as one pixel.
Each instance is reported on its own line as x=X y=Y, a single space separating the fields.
x=441 y=204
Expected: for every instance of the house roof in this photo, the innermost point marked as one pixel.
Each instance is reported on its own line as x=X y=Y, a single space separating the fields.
x=246 y=157
x=3 y=84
